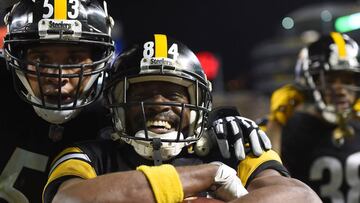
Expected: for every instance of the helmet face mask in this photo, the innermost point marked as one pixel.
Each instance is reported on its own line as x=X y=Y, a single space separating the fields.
x=330 y=70
x=176 y=69
x=40 y=25
x=40 y=76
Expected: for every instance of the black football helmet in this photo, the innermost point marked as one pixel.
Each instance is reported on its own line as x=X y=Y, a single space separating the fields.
x=69 y=22
x=331 y=53
x=159 y=58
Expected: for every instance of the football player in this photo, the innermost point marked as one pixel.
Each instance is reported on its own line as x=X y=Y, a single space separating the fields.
x=319 y=114
x=160 y=99
x=56 y=54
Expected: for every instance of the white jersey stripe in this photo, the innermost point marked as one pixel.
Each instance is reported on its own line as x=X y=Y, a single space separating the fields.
x=70 y=156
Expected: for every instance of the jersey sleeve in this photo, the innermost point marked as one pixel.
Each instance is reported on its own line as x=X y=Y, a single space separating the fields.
x=252 y=165
x=70 y=163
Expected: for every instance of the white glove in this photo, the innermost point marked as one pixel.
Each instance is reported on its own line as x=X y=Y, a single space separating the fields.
x=227 y=185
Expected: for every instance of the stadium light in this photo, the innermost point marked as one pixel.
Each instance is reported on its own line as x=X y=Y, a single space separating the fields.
x=347 y=23
x=210 y=63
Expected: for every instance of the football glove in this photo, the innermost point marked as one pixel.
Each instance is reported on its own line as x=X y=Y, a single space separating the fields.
x=283 y=102
x=227 y=185
x=236 y=135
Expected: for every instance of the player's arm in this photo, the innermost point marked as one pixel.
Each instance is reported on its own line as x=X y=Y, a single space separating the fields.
x=271 y=186
x=267 y=180
x=283 y=103
x=74 y=178
x=132 y=186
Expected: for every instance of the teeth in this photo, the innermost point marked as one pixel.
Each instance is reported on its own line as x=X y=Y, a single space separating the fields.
x=163 y=124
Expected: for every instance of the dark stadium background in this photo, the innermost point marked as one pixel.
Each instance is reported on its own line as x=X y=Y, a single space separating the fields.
x=230 y=29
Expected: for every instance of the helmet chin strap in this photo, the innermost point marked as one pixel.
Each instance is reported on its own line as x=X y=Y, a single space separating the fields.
x=54 y=116
x=343 y=129
x=156 y=145
x=156 y=149
x=329 y=114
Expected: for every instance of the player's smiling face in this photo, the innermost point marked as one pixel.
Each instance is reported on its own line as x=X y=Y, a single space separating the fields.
x=161 y=119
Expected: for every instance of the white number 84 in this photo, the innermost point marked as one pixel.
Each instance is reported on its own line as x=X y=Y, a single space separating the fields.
x=149 y=50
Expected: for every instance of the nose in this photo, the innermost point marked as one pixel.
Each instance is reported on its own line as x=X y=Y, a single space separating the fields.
x=54 y=78
x=158 y=98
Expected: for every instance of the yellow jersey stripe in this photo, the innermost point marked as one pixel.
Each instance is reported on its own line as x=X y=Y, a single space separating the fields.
x=72 y=167
x=251 y=163
x=160 y=46
x=60 y=9
x=340 y=43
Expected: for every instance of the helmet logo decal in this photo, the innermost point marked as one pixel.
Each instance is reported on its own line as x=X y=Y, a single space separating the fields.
x=73 y=27
x=60 y=9
x=60 y=25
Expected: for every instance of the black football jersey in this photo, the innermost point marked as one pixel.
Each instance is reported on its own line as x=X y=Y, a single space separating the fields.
x=26 y=147
x=309 y=153
x=94 y=158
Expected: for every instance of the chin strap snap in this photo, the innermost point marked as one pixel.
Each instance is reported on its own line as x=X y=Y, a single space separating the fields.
x=156 y=145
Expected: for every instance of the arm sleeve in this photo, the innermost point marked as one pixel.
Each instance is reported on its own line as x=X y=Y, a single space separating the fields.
x=70 y=163
x=251 y=166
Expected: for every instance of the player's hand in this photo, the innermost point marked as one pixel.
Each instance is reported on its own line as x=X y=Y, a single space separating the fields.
x=236 y=135
x=227 y=185
x=283 y=102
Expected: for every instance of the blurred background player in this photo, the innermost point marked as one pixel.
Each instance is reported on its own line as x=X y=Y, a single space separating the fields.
x=316 y=120
x=56 y=55
x=160 y=99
